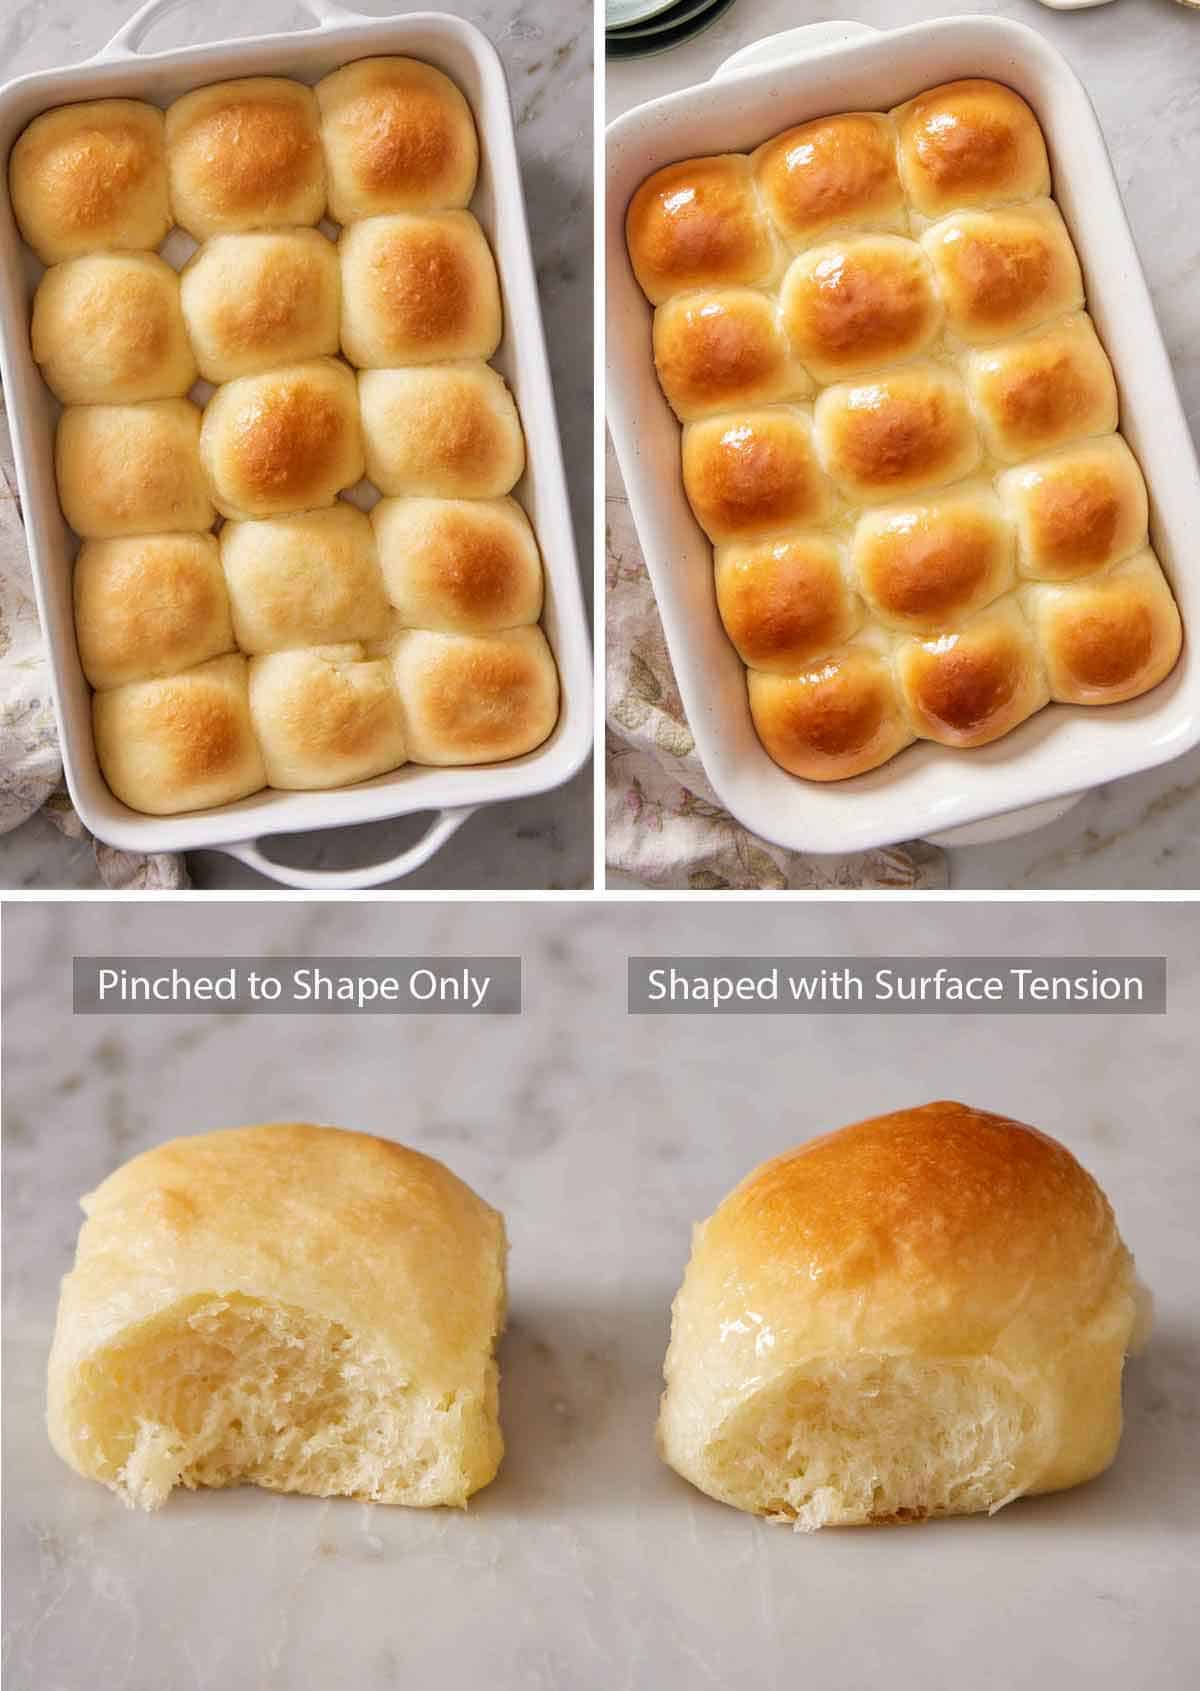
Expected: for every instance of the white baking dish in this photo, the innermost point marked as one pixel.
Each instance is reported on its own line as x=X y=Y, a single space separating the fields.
x=928 y=789
x=336 y=37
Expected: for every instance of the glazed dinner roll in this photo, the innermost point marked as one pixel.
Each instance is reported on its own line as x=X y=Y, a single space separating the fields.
x=181 y=742
x=287 y=440
x=398 y=136
x=699 y=224
x=91 y=178
x=289 y=1306
x=925 y=1314
x=1000 y=272
x=245 y=155
x=1107 y=637
x=149 y=605
x=475 y=698
x=418 y=289
x=464 y=566
x=896 y=433
x=748 y=473
x=1050 y=386
x=1077 y=510
x=325 y=717
x=258 y=300
x=838 y=717
x=970 y=686
x=785 y=601
x=107 y=329
x=441 y=431
x=925 y=564
x=857 y=303
x=310 y=579
x=723 y=348
x=971 y=143
x=132 y=469
x=833 y=173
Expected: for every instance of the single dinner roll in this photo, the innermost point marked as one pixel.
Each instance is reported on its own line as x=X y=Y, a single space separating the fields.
x=839 y=717
x=132 y=469
x=91 y=178
x=325 y=717
x=183 y=742
x=896 y=433
x=443 y=431
x=855 y=304
x=475 y=698
x=785 y=601
x=286 y=1306
x=751 y=472
x=698 y=224
x=418 y=290
x=971 y=686
x=398 y=136
x=245 y=155
x=108 y=330
x=1000 y=272
x=149 y=605
x=925 y=564
x=833 y=173
x=256 y=301
x=310 y=579
x=1078 y=510
x=288 y=440
x=1107 y=637
x=464 y=566
x=925 y=1314
x=970 y=143
x=721 y=349
x=1051 y=386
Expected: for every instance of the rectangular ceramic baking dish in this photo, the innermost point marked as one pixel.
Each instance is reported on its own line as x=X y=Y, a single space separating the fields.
x=335 y=37
x=928 y=789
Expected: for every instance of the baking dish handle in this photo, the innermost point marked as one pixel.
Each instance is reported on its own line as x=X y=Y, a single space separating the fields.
x=445 y=823
x=127 y=42
x=789 y=44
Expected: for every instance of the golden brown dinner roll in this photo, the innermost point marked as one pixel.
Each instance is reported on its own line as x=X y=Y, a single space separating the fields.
x=722 y=348
x=325 y=717
x=310 y=579
x=288 y=440
x=973 y=685
x=465 y=566
x=256 y=301
x=132 y=469
x=1051 y=386
x=839 y=717
x=749 y=473
x=698 y=224
x=286 y=1306
x=418 y=289
x=785 y=601
x=107 y=330
x=896 y=433
x=149 y=605
x=857 y=303
x=475 y=698
x=925 y=564
x=91 y=178
x=970 y=143
x=398 y=136
x=925 y=1314
x=245 y=155
x=442 y=431
x=1107 y=637
x=1078 y=510
x=1003 y=271
x=833 y=173
x=183 y=742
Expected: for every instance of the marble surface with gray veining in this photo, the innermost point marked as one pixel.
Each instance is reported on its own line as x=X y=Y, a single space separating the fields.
x=587 y=1564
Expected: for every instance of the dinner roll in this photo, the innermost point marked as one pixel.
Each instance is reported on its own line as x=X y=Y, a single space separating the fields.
x=698 y=224
x=91 y=178
x=310 y=579
x=1051 y=386
x=925 y=1314
x=896 y=433
x=288 y=440
x=974 y=685
x=398 y=136
x=839 y=717
x=970 y=143
x=325 y=717
x=256 y=301
x=833 y=173
x=107 y=330
x=785 y=601
x=1077 y=510
x=751 y=472
x=927 y=563
x=854 y=304
x=442 y=431
x=182 y=742
x=475 y=698
x=465 y=566
x=418 y=289
x=1108 y=637
x=1000 y=272
x=149 y=605
x=132 y=469
x=287 y=1306
x=722 y=348
x=245 y=155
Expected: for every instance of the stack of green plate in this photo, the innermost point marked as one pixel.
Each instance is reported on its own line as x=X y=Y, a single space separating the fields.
x=635 y=28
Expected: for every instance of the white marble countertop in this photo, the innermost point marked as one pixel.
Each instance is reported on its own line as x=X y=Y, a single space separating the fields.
x=587 y=1564
x=1138 y=59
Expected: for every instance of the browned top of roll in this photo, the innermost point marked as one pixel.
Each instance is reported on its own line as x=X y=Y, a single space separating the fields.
x=970 y=143
x=834 y=170
x=696 y=224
